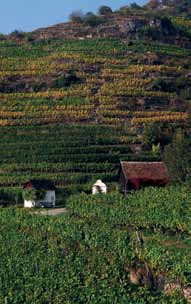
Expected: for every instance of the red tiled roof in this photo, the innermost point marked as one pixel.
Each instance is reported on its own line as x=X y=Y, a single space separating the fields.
x=148 y=170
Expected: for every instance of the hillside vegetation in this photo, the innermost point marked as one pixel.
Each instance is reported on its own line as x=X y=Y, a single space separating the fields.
x=73 y=105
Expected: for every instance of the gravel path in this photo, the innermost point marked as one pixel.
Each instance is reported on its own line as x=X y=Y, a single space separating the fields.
x=52 y=212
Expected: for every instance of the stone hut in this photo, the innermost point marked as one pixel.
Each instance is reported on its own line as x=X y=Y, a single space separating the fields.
x=99 y=187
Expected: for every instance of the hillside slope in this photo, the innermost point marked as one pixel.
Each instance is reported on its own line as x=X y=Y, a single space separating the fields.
x=73 y=106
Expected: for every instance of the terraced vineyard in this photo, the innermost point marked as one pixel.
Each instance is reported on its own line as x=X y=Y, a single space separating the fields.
x=73 y=104
x=71 y=110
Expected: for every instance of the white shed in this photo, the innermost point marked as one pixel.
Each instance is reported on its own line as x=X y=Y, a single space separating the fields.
x=39 y=193
x=99 y=187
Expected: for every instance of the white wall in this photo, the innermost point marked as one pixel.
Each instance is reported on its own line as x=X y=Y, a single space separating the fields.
x=50 y=197
x=29 y=204
x=98 y=189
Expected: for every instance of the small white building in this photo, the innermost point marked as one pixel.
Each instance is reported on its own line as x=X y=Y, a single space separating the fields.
x=99 y=187
x=39 y=193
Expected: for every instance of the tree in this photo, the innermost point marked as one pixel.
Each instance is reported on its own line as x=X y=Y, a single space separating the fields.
x=92 y=19
x=66 y=80
x=135 y=6
x=105 y=10
x=2 y=37
x=157 y=134
x=165 y=85
x=76 y=16
x=177 y=156
x=17 y=35
x=151 y=134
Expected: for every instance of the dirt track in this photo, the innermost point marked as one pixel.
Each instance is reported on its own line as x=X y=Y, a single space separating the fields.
x=52 y=212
